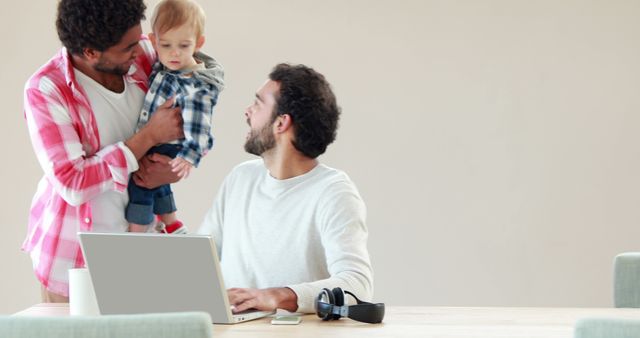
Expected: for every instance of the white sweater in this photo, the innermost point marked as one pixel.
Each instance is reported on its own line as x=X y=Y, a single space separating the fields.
x=306 y=232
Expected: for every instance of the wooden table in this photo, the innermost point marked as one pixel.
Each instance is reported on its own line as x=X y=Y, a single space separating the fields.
x=400 y=321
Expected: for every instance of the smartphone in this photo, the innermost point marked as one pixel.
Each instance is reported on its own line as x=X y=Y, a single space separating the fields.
x=286 y=320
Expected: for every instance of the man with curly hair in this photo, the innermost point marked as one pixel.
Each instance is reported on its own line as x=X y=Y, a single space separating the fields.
x=287 y=226
x=81 y=109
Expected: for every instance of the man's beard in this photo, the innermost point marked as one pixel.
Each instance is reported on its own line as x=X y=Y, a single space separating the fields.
x=117 y=70
x=260 y=141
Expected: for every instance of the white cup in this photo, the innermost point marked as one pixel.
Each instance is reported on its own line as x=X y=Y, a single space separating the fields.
x=82 y=297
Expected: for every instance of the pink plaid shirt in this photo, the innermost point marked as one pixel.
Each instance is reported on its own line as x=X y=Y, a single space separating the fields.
x=77 y=168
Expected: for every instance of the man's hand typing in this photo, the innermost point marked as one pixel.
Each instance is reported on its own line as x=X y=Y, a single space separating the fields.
x=263 y=299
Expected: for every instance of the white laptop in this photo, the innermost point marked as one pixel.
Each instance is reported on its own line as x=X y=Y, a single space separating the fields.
x=146 y=273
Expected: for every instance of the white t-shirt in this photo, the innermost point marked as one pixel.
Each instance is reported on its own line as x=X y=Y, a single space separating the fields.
x=116 y=117
x=306 y=232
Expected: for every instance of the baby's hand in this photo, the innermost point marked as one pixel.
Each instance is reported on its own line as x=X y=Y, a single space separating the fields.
x=181 y=167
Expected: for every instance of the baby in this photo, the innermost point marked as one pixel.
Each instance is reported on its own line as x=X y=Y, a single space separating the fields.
x=194 y=80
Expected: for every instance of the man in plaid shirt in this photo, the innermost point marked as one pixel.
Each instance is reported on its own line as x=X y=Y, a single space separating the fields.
x=81 y=109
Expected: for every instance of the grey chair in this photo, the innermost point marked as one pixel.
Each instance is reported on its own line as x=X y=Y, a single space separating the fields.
x=607 y=328
x=156 y=325
x=626 y=293
x=626 y=280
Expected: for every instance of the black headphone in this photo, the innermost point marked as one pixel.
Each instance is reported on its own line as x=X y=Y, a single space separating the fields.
x=330 y=304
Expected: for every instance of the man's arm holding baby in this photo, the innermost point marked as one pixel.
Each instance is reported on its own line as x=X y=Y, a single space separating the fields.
x=165 y=125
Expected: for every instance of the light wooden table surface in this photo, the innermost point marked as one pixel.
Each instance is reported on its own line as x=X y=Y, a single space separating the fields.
x=400 y=321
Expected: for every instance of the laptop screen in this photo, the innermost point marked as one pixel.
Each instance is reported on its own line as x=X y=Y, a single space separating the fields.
x=145 y=273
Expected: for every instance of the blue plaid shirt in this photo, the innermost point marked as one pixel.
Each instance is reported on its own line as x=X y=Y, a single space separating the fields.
x=196 y=92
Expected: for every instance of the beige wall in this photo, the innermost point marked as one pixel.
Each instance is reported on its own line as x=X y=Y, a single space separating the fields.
x=495 y=142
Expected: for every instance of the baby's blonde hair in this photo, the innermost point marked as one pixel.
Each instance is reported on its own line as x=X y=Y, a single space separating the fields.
x=170 y=14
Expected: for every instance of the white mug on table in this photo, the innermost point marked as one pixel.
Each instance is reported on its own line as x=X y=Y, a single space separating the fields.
x=82 y=297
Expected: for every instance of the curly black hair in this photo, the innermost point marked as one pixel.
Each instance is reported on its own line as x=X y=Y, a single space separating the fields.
x=307 y=97
x=97 y=24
